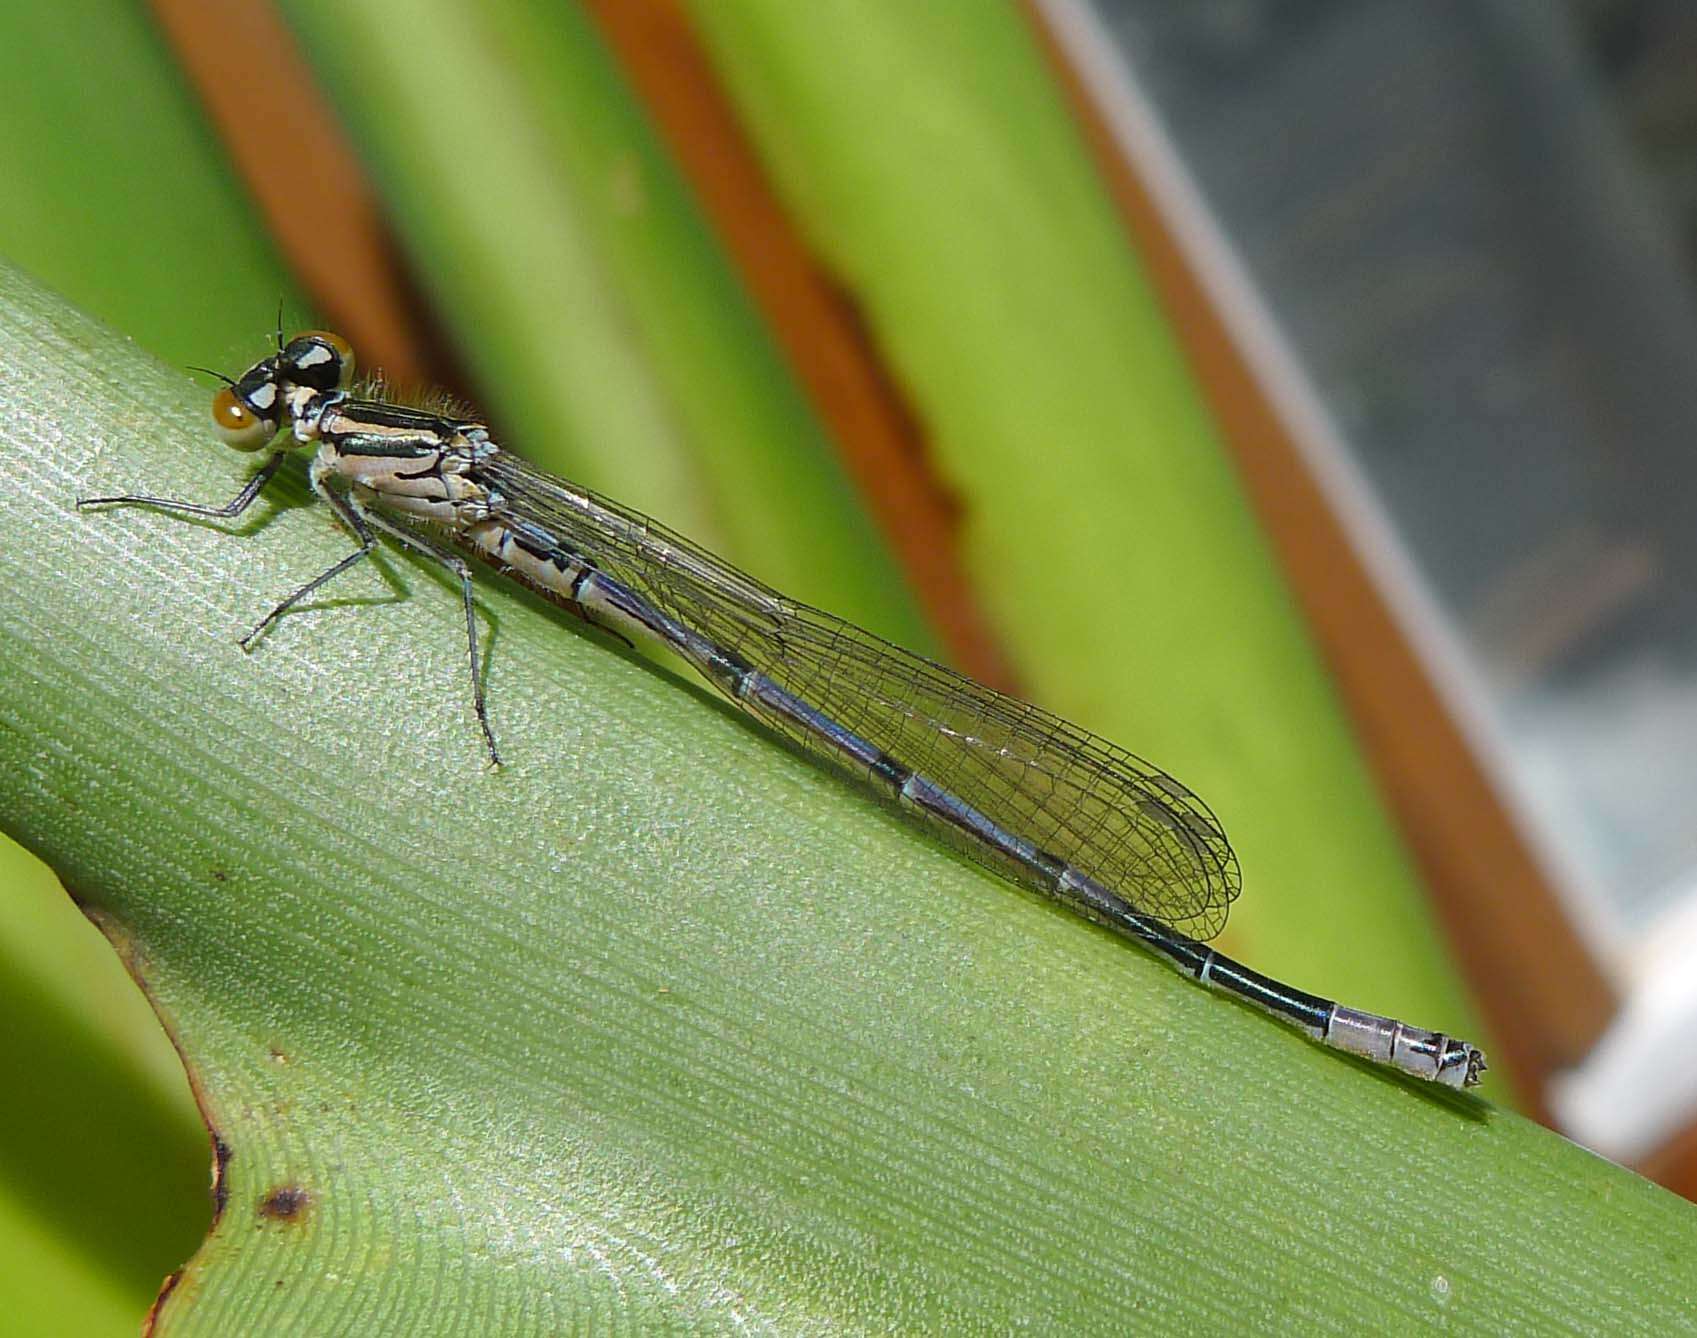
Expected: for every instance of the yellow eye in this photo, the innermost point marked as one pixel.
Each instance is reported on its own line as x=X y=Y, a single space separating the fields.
x=322 y=359
x=237 y=424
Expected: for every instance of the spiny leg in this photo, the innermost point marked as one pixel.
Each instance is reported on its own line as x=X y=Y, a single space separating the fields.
x=458 y=567
x=359 y=523
x=231 y=509
x=350 y=516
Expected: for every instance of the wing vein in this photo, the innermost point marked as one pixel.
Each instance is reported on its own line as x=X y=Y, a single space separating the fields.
x=1101 y=809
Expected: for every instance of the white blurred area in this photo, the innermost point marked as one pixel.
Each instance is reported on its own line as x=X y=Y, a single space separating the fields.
x=1457 y=241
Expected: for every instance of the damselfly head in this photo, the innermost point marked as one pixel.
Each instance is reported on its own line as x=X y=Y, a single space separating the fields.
x=248 y=412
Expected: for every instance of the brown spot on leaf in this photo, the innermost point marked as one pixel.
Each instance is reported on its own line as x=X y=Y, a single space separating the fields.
x=286 y=1203
x=221 y=1155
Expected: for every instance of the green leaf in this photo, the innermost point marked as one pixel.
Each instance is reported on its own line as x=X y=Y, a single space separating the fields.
x=112 y=190
x=662 y=1025
x=102 y=1162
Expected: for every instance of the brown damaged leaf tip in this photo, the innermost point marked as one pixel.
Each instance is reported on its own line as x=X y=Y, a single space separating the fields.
x=165 y=1289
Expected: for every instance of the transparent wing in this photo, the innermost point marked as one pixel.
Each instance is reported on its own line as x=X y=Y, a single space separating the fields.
x=1105 y=811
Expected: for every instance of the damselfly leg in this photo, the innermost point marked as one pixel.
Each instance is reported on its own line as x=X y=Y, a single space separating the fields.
x=359 y=521
x=228 y=511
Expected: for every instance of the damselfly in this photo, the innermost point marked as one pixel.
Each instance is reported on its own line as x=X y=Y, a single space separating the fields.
x=1035 y=799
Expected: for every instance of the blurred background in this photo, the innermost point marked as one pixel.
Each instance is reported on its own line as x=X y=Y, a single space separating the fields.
x=1295 y=391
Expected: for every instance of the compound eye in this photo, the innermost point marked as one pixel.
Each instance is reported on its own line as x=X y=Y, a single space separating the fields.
x=237 y=424
x=321 y=360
